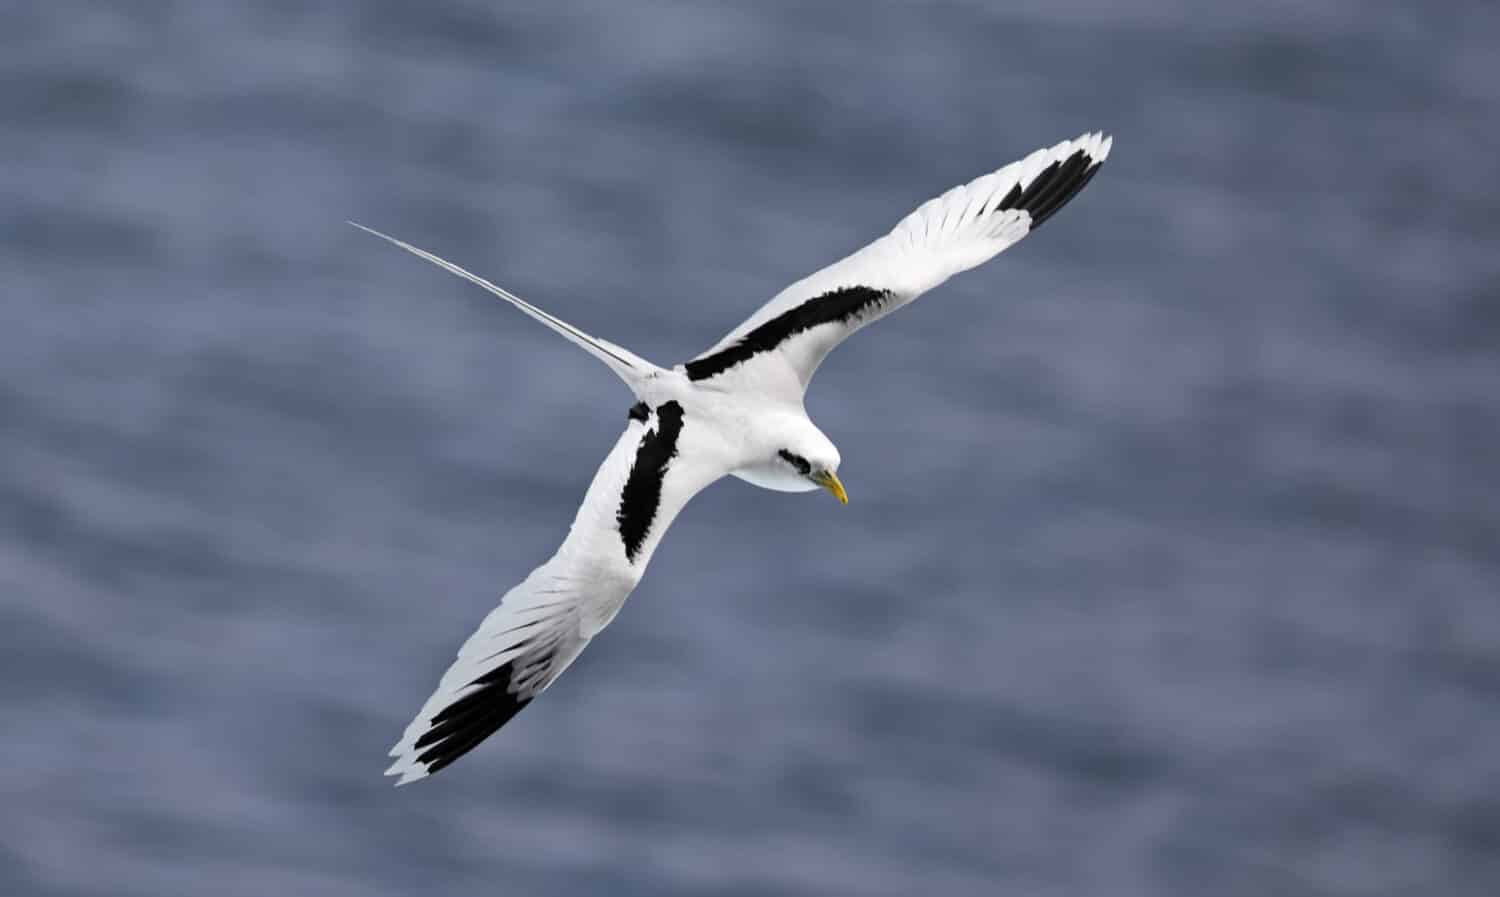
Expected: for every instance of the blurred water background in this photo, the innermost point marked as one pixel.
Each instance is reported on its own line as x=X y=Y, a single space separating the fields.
x=1173 y=562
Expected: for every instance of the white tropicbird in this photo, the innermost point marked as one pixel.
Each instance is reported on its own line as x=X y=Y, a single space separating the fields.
x=736 y=409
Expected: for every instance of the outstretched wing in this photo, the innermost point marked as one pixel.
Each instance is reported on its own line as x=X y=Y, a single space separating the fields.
x=542 y=624
x=965 y=227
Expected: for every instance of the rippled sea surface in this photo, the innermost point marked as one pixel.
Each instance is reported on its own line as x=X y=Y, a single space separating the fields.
x=1173 y=562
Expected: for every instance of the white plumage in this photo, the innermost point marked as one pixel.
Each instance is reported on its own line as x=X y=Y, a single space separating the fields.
x=734 y=410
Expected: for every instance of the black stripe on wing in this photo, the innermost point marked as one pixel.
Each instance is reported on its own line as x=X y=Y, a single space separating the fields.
x=1052 y=187
x=642 y=493
x=462 y=725
x=834 y=307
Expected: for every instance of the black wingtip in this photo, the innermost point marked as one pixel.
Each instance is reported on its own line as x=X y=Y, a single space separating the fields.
x=1053 y=186
x=462 y=725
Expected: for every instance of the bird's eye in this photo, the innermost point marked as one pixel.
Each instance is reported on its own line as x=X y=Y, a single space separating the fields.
x=796 y=461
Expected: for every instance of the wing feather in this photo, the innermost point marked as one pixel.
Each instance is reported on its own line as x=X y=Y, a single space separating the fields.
x=545 y=622
x=785 y=340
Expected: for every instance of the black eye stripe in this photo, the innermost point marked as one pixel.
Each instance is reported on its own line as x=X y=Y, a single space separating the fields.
x=796 y=461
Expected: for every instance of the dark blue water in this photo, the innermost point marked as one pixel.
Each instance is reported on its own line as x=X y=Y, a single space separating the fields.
x=1173 y=562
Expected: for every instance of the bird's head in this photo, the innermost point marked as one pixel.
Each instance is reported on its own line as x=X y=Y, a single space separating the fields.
x=808 y=459
x=790 y=454
x=823 y=475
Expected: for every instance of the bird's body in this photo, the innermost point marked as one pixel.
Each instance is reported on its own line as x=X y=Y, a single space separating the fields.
x=736 y=410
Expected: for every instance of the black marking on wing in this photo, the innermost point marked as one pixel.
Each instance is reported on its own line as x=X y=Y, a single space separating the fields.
x=834 y=307
x=640 y=411
x=1051 y=188
x=462 y=725
x=642 y=493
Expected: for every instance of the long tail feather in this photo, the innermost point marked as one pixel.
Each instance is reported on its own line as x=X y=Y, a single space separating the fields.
x=626 y=364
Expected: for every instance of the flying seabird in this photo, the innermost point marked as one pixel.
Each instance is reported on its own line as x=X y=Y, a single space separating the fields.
x=735 y=409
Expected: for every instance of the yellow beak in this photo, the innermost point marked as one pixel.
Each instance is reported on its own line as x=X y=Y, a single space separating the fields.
x=830 y=481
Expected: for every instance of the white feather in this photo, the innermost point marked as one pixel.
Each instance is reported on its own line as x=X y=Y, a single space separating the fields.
x=630 y=367
x=946 y=235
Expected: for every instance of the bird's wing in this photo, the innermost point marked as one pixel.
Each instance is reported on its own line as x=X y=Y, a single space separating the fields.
x=541 y=625
x=965 y=227
x=630 y=367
